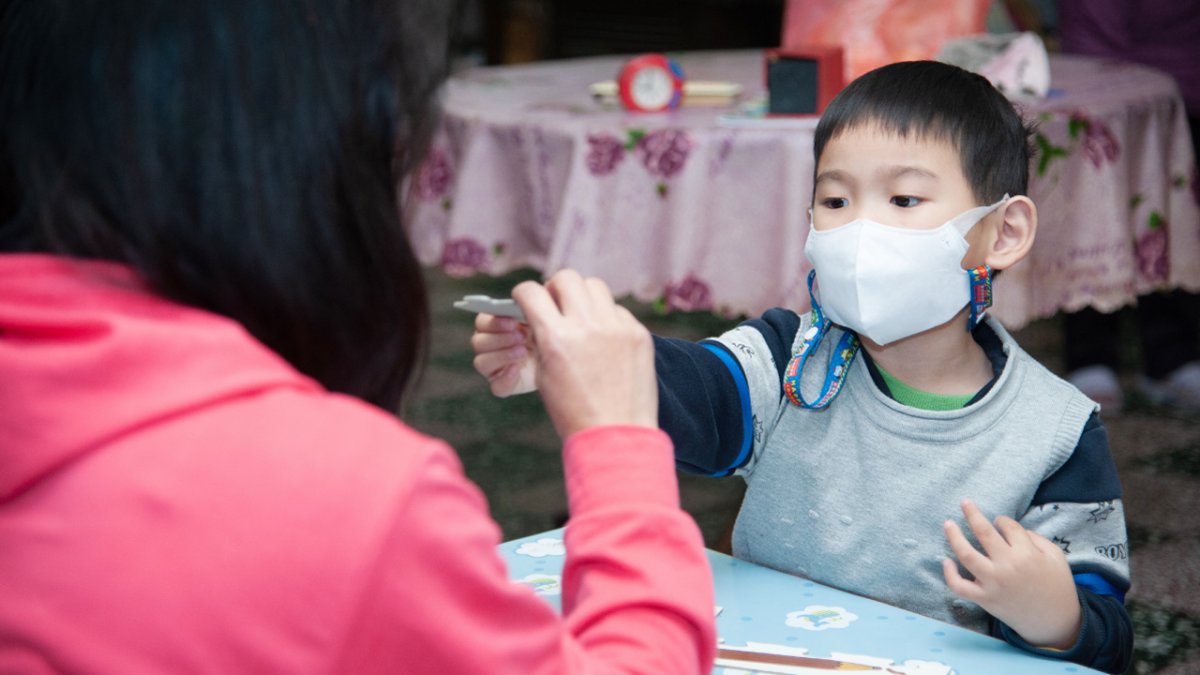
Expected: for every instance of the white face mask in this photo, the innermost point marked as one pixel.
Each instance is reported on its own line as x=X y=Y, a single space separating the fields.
x=887 y=283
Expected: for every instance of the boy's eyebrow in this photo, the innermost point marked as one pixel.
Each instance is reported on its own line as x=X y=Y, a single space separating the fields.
x=899 y=171
x=833 y=175
x=888 y=172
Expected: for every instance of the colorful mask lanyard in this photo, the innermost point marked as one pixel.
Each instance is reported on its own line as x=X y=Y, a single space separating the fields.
x=843 y=356
x=847 y=347
x=981 y=294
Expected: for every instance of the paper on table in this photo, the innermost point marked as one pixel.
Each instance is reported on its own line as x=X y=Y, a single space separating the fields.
x=497 y=306
x=695 y=92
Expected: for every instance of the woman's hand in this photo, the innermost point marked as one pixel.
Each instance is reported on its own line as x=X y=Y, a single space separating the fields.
x=592 y=361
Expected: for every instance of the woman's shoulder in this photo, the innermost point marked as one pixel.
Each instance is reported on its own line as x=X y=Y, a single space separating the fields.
x=338 y=428
x=330 y=448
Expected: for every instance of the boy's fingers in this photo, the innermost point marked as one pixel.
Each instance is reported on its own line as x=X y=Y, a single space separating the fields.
x=490 y=323
x=975 y=562
x=503 y=381
x=960 y=586
x=491 y=363
x=1013 y=532
x=988 y=537
x=483 y=343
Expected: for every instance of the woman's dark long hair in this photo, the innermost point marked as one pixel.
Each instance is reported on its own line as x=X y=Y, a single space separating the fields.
x=242 y=155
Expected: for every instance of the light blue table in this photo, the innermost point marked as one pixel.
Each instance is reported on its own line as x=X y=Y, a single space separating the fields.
x=762 y=605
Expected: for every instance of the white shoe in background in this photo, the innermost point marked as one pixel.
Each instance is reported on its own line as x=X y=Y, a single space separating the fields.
x=1181 y=388
x=1100 y=384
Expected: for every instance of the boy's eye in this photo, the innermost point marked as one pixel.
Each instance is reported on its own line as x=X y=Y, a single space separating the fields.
x=906 y=201
x=834 y=202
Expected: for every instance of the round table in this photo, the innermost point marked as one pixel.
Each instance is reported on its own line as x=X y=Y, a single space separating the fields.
x=702 y=208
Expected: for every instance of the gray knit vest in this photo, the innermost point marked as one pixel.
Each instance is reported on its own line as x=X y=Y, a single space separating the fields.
x=854 y=496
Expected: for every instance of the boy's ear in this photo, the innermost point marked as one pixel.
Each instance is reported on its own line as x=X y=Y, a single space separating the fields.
x=1013 y=233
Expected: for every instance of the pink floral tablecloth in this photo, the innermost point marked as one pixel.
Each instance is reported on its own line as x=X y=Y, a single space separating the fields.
x=696 y=209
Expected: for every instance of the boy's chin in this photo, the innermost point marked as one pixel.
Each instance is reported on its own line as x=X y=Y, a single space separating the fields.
x=958 y=321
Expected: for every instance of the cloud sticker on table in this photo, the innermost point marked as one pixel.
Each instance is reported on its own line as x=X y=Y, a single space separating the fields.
x=540 y=548
x=543 y=584
x=918 y=667
x=820 y=617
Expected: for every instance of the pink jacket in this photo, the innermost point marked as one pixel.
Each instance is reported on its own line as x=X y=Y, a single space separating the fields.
x=175 y=498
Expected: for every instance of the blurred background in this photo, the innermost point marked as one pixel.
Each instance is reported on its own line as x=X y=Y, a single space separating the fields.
x=496 y=32
x=509 y=448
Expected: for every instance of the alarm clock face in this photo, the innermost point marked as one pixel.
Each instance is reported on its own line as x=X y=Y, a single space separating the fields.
x=652 y=88
x=649 y=83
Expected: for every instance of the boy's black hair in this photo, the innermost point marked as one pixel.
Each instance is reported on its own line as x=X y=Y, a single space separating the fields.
x=938 y=100
x=243 y=156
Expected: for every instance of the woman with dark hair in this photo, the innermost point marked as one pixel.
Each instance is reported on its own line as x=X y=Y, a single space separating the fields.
x=208 y=316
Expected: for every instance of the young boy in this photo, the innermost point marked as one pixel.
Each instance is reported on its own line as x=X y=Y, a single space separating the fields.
x=864 y=427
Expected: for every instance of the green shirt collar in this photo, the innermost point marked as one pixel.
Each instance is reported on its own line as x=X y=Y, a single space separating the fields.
x=924 y=400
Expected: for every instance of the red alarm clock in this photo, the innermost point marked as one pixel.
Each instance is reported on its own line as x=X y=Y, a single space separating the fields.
x=650 y=83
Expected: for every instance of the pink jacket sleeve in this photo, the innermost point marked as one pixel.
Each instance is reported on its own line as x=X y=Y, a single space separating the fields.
x=637 y=589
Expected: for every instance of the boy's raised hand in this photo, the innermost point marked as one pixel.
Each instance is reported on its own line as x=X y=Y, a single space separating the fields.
x=1021 y=578
x=505 y=354
x=594 y=360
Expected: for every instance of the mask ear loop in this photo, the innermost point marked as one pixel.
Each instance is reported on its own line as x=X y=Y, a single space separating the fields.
x=964 y=221
x=980 y=279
